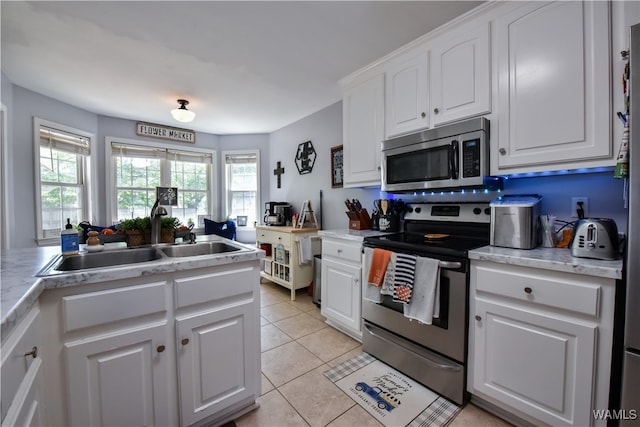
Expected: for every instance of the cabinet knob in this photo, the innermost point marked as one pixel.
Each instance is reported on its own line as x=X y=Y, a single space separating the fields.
x=423 y=114
x=478 y=317
x=160 y=348
x=339 y=251
x=185 y=341
x=436 y=111
x=379 y=168
x=528 y=290
x=33 y=353
x=502 y=151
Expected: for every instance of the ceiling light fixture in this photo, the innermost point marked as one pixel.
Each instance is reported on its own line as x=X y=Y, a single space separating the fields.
x=181 y=114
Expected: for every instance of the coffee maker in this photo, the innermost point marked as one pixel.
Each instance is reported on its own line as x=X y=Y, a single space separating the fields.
x=277 y=213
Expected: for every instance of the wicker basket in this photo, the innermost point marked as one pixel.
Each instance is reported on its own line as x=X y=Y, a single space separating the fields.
x=135 y=238
x=167 y=235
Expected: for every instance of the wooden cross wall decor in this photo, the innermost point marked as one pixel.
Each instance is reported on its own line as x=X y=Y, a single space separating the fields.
x=279 y=170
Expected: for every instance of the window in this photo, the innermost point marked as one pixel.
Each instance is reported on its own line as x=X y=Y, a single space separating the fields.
x=242 y=184
x=139 y=168
x=62 y=177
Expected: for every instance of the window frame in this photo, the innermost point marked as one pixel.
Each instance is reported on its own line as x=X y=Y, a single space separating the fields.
x=110 y=172
x=225 y=192
x=89 y=181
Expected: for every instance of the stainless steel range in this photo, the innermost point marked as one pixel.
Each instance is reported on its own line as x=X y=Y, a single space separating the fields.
x=434 y=355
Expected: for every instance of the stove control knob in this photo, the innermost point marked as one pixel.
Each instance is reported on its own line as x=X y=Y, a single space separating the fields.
x=487 y=211
x=418 y=210
x=410 y=209
x=477 y=211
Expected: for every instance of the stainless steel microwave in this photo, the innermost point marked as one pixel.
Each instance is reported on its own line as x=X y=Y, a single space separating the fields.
x=452 y=156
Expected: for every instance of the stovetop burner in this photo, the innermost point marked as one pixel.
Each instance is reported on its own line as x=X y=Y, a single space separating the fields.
x=445 y=229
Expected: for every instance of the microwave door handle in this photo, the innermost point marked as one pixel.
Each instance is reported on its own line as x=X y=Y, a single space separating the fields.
x=454 y=159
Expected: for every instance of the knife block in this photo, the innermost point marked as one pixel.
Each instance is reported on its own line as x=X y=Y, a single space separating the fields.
x=359 y=220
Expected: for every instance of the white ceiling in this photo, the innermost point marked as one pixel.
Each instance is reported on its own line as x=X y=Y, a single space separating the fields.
x=245 y=67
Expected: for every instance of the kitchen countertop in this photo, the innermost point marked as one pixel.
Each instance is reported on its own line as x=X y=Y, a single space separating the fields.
x=20 y=287
x=556 y=259
x=348 y=234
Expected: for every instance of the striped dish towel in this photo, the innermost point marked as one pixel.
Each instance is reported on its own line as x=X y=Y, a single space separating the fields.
x=405 y=270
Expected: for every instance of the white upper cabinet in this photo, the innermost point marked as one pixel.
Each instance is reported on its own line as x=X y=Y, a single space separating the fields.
x=407 y=93
x=461 y=73
x=363 y=131
x=553 y=87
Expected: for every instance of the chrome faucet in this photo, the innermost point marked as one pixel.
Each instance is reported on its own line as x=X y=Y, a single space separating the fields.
x=156 y=212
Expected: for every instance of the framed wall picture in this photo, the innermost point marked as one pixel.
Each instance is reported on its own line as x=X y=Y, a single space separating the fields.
x=336 y=166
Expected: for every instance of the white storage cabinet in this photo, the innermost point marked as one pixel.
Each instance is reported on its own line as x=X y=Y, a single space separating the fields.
x=363 y=131
x=341 y=291
x=176 y=349
x=22 y=373
x=540 y=342
x=553 y=86
x=283 y=265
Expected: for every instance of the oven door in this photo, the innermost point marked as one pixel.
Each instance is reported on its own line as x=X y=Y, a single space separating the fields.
x=434 y=355
x=447 y=335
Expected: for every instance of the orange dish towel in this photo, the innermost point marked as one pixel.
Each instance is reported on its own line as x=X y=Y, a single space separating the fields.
x=379 y=261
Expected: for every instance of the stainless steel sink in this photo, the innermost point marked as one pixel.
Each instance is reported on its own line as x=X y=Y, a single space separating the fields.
x=83 y=261
x=205 y=248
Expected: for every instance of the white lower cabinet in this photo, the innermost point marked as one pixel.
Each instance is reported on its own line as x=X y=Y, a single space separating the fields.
x=213 y=372
x=540 y=342
x=119 y=379
x=22 y=373
x=341 y=285
x=177 y=349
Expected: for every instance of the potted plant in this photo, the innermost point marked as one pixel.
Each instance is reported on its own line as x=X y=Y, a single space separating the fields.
x=168 y=225
x=135 y=229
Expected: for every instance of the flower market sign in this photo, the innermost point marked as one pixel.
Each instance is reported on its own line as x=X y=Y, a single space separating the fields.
x=165 y=132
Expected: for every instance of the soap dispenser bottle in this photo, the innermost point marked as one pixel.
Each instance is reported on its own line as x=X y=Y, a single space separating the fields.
x=69 y=239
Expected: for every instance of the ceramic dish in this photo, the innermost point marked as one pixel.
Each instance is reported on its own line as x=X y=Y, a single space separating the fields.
x=94 y=248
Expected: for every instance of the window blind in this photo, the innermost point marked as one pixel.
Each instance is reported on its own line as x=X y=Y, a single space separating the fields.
x=63 y=141
x=240 y=158
x=139 y=151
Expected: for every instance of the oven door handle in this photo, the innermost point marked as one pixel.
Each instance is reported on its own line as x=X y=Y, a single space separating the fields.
x=443 y=366
x=450 y=265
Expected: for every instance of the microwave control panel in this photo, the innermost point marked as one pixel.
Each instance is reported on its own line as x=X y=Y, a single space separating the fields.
x=471 y=158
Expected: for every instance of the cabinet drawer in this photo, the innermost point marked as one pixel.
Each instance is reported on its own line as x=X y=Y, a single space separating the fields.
x=215 y=286
x=565 y=291
x=273 y=237
x=98 y=308
x=341 y=250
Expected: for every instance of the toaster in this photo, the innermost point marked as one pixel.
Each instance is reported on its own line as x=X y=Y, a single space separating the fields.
x=595 y=238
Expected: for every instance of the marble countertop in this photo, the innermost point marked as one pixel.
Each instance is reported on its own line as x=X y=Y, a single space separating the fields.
x=549 y=259
x=348 y=234
x=20 y=287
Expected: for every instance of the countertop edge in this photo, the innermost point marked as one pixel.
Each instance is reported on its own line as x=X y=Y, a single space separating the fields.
x=549 y=259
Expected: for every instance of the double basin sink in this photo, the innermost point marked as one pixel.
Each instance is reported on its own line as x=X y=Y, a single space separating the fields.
x=83 y=261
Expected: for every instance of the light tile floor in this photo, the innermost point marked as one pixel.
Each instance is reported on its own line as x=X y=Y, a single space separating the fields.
x=297 y=348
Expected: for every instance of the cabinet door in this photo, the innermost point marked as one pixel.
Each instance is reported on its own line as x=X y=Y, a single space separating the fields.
x=538 y=364
x=340 y=293
x=363 y=131
x=460 y=73
x=18 y=361
x=407 y=94
x=26 y=409
x=553 y=74
x=120 y=378
x=218 y=363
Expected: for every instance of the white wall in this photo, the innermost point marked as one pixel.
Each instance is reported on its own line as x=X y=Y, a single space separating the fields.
x=324 y=130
